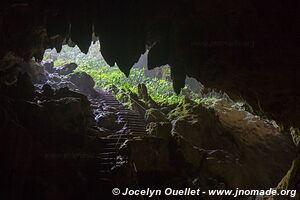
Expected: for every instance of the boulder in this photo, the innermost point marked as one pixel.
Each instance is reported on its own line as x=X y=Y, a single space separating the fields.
x=48 y=65
x=257 y=146
x=66 y=92
x=83 y=82
x=54 y=78
x=67 y=69
x=201 y=127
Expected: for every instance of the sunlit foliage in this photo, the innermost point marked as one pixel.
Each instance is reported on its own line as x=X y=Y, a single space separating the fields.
x=161 y=90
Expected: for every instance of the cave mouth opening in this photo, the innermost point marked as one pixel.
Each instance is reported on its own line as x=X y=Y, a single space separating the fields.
x=157 y=81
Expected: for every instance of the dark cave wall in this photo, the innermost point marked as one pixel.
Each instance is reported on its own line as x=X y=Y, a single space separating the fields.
x=248 y=49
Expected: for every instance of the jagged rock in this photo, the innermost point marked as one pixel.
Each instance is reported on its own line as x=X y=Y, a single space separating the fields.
x=54 y=78
x=194 y=85
x=67 y=69
x=83 y=81
x=49 y=66
x=66 y=92
x=162 y=129
x=68 y=84
x=202 y=128
x=155 y=115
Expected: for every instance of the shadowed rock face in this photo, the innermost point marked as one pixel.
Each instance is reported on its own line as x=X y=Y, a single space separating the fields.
x=247 y=49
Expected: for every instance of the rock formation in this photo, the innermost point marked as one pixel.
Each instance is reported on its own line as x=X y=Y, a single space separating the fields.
x=248 y=49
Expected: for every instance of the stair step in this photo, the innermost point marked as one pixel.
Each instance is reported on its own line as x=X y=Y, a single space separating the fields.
x=135 y=129
x=105 y=165
x=104 y=173
x=135 y=125
x=126 y=136
x=112 y=149
x=127 y=113
x=113 y=139
x=108 y=159
x=138 y=133
x=114 y=144
x=107 y=154
x=135 y=121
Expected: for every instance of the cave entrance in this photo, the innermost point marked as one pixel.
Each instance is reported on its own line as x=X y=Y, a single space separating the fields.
x=158 y=81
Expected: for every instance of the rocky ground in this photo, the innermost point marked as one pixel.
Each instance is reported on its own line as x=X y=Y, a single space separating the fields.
x=47 y=110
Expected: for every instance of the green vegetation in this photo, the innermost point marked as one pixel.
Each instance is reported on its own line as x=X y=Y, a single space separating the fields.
x=106 y=77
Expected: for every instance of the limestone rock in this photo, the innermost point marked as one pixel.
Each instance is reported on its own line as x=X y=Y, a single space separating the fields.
x=148 y=154
x=83 y=82
x=36 y=72
x=201 y=127
x=67 y=69
x=190 y=155
x=48 y=65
